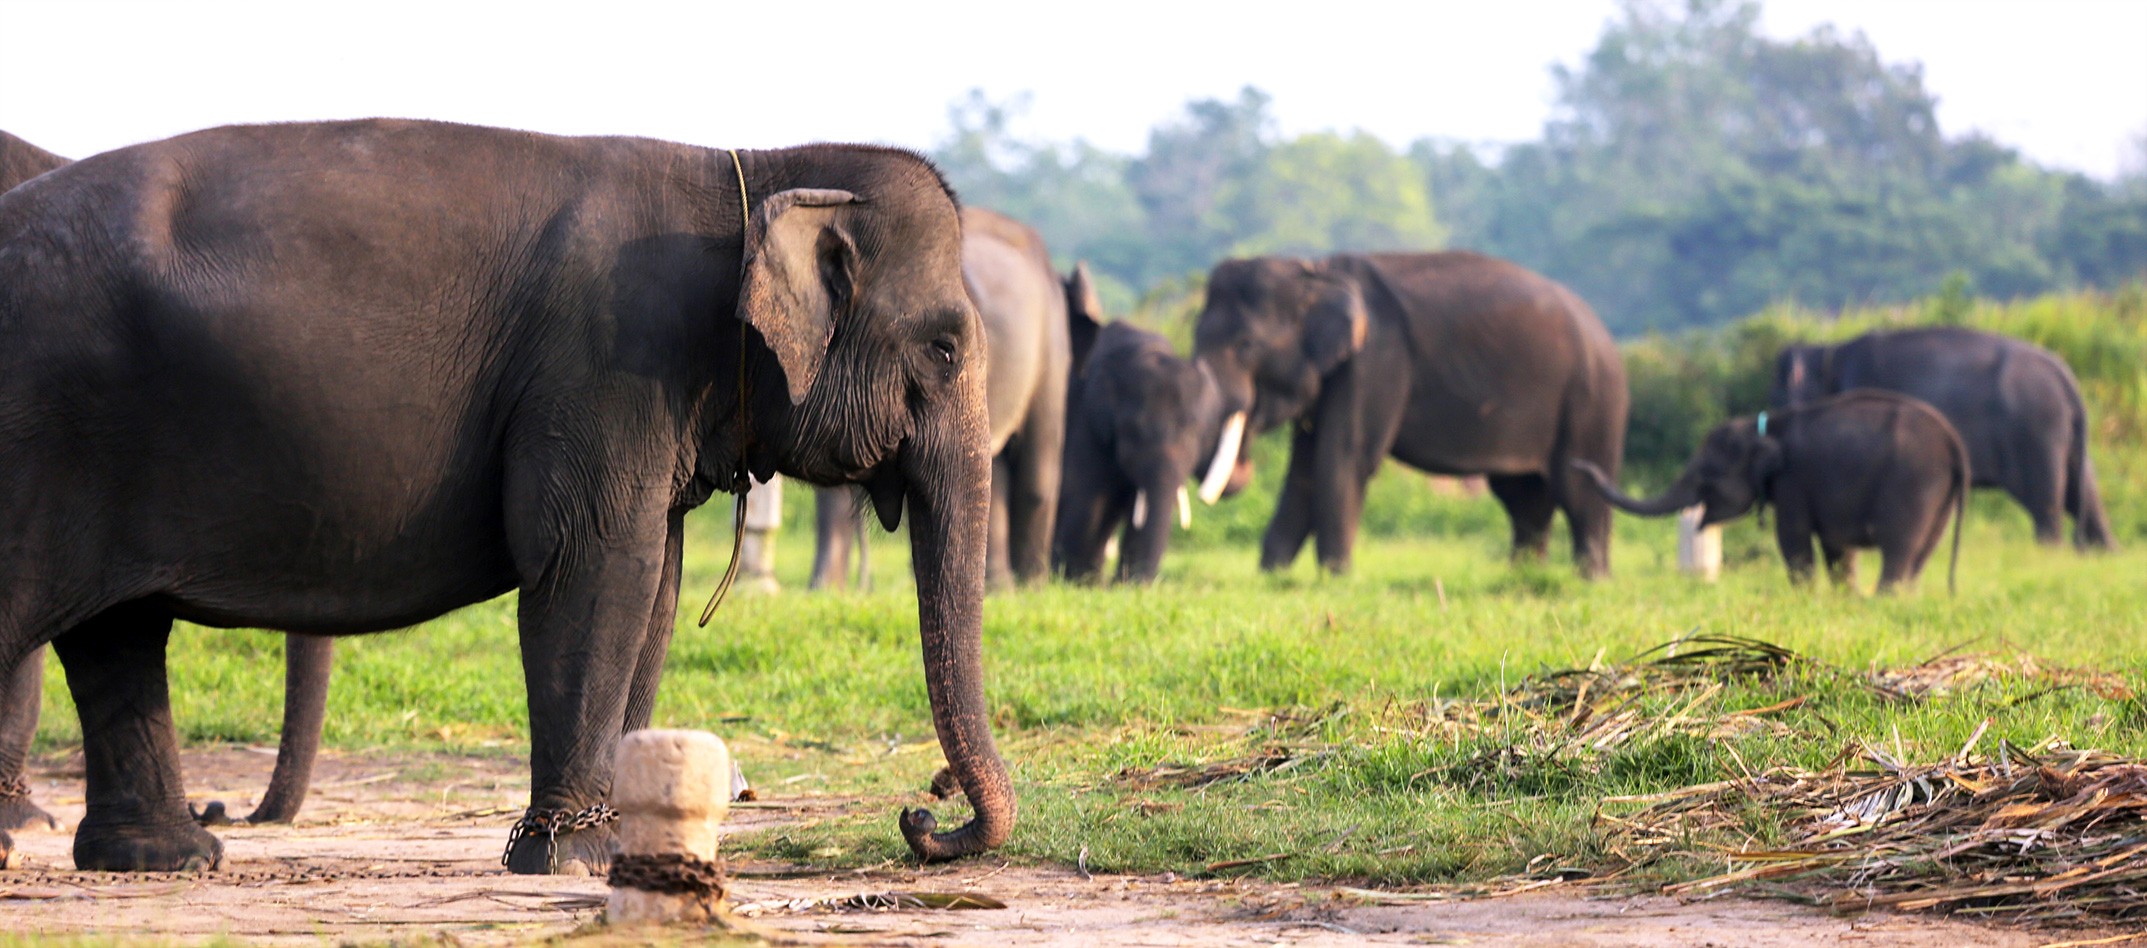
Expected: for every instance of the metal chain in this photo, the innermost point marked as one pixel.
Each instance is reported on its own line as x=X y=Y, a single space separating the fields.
x=14 y=788
x=668 y=873
x=554 y=822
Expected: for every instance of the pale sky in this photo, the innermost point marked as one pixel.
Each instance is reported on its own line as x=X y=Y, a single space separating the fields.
x=2063 y=80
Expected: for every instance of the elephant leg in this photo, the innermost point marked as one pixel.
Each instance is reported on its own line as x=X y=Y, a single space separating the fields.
x=18 y=728
x=1292 y=524
x=1793 y=535
x=1033 y=499
x=662 y=623
x=2039 y=486
x=1840 y=564
x=834 y=522
x=1531 y=508
x=588 y=598
x=308 y=661
x=1588 y=517
x=998 y=555
x=137 y=818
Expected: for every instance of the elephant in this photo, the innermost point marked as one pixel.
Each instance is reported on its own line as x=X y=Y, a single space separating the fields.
x=1865 y=468
x=308 y=659
x=342 y=377
x=1452 y=363
x=1140 y=421
x=1009 y=276
x=2015 y=404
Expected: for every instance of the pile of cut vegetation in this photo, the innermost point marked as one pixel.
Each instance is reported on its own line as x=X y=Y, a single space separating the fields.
x=2037 y=834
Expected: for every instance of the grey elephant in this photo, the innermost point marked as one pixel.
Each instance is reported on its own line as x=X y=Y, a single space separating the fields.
x=1008 y=273
x=1452 y=363
x=307 y=658
x=1141 y=419
x=339 y=378
x=1865 y=468
x=2016 y=405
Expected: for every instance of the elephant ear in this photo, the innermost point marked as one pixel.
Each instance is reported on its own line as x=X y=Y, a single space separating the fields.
x=800 y=271
x=1335 y=323
x=1084 y=314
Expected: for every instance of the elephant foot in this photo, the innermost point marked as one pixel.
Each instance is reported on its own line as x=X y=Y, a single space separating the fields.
x=137 y=847
x=17 y=812
x=562 y=842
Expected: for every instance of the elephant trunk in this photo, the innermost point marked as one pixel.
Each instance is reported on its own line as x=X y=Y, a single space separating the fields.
x=948 y=471
x=1680 y=495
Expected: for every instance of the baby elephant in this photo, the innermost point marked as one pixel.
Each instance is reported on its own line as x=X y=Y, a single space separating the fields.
x=1140 y=421
x=1862 y=468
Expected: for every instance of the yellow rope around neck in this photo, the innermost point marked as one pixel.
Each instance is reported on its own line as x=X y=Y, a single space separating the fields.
x=743 y=479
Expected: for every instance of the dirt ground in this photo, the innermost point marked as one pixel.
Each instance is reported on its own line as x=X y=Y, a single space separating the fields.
x=397 y=848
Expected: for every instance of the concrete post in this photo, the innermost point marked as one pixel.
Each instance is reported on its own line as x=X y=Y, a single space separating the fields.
x=672 y=789
x=763 y=517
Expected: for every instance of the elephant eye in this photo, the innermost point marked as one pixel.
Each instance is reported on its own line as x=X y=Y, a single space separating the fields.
x=945 y=348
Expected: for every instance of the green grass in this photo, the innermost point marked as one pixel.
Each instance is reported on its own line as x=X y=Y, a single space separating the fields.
x=1085 y=683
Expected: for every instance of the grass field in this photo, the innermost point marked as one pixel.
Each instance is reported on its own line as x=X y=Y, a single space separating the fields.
x=1346 y=682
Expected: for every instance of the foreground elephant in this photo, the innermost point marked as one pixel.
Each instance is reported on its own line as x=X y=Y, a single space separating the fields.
x=2015 y=404
x=343 y=377
x=1009 y=276
x=1861 y=469
x=1452 y=363
x=1140 y=420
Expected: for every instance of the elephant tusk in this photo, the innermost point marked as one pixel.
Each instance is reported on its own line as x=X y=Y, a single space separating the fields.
x=1140 y=510
x=1185 y=509
x=1226 y=455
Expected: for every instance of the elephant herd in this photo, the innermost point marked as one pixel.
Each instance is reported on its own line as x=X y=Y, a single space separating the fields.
x=340 y=378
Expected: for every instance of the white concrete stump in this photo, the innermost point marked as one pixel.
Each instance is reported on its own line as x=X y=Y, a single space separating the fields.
x=763 y=517
x=672 y=789
x=1699 y=549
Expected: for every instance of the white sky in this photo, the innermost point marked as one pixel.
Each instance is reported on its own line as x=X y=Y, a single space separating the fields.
x=2063 y=80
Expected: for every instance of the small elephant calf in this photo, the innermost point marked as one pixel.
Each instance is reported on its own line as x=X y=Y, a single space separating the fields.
x=1863 y=468
x=1140 y=420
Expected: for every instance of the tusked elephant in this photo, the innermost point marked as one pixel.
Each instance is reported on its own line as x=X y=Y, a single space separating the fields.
x=2015 y=404
x=1452 y=363
x=307 y=659
x=1865 y=468
x=1009 y=276
x=1140 y=420
x=340 y=378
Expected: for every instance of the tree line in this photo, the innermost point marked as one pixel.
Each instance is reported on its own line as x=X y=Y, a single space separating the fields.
x=1693 y=172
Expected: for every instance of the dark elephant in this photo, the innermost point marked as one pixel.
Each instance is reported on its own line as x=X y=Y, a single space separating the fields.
x=1452 y=363
x=2015 y=404
x=308 y=659
x=1140 y=421
x=1009 y=276
x=1865 y=468
x=338 y=378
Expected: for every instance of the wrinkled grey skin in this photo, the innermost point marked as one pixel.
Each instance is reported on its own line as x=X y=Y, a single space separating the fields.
x=308 y=658
x=1865 y=468
x=1452 y=363
x=339 y=378
x=1141 y=420
x=2015 y=404
x=1009 y=275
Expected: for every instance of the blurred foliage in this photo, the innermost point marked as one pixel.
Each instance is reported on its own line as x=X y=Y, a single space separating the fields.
x=1695 y=172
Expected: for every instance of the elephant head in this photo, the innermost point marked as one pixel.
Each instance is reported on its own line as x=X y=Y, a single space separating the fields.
x=1272 y=330
x=1801 y=375
x=1729 y=475
x=879 y=352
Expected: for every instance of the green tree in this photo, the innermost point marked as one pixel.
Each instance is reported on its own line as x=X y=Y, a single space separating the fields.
x=1322 y=193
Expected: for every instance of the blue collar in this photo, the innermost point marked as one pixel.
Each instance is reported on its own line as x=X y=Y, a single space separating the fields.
x=1762 y=424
